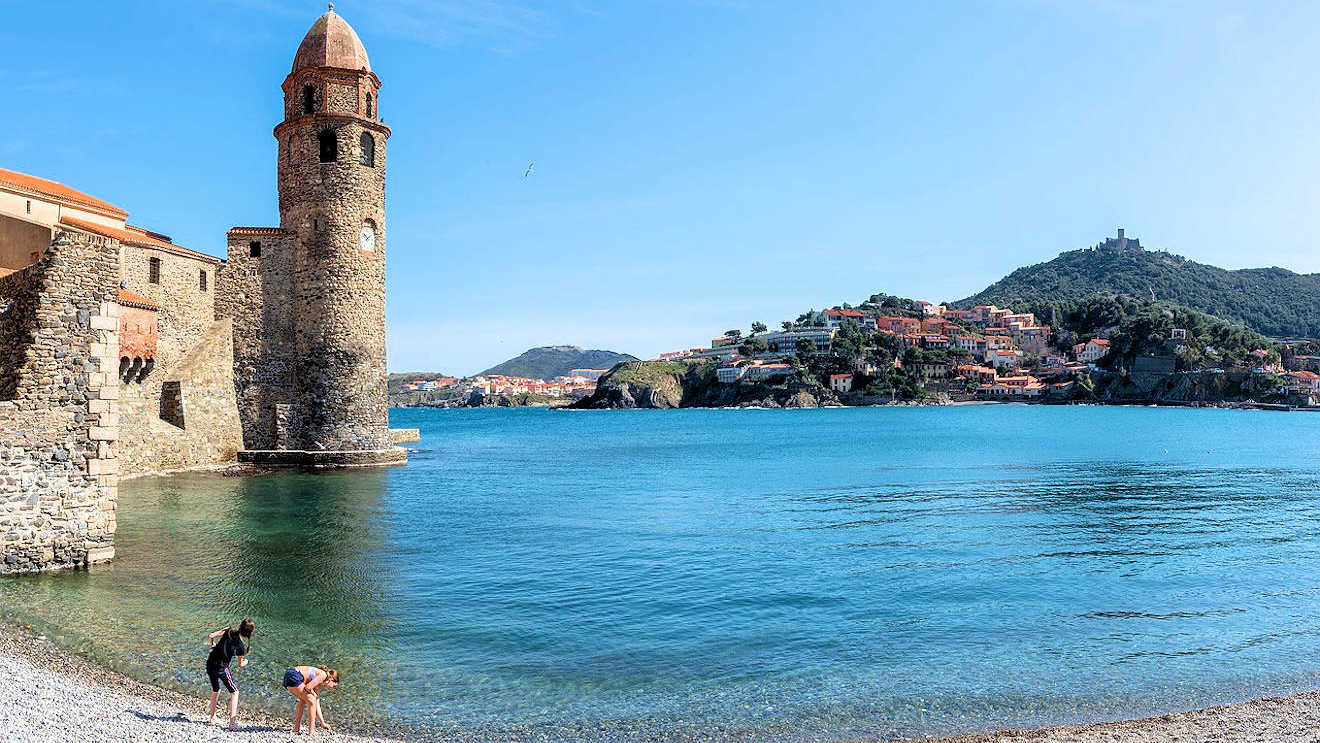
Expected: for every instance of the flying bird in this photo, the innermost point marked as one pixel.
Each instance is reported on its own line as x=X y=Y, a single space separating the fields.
x=530 y=168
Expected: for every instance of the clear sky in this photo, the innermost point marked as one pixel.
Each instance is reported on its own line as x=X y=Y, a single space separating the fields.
x=700 y=164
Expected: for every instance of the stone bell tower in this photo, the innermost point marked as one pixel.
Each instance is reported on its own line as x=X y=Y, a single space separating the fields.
x=309 y=297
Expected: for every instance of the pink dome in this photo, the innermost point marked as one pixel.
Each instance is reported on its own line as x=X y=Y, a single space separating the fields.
x=331 y=42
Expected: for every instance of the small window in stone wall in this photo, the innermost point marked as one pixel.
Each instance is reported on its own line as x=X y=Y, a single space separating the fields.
x=368 y=150
x=328 y=145
x=171 y=403
x=309 y=99
x=254 y=249
x=369 y=113
x=153 y=270
x=29 y=206
x=201 y=279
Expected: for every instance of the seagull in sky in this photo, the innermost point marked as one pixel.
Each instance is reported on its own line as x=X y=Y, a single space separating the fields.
x=530 y=168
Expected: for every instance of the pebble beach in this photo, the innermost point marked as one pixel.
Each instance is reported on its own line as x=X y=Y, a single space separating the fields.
x=51 y=695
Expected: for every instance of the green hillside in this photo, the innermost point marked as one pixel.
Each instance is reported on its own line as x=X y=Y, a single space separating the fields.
x=548 y=362
x=1272 y=301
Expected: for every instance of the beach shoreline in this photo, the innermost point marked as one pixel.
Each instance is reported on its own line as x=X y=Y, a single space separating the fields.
x=53 y=694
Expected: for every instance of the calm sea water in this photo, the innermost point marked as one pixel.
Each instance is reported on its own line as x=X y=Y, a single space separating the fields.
x=792 y=575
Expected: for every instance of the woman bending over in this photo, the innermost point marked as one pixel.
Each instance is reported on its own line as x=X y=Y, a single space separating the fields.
x=306 y=683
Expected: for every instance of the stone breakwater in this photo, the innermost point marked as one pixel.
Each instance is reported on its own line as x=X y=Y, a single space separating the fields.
x=51 y=695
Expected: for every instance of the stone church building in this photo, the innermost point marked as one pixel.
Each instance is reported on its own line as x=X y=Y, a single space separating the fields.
x=124 y=353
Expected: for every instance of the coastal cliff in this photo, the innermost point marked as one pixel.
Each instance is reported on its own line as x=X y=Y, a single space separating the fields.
x=674 y=384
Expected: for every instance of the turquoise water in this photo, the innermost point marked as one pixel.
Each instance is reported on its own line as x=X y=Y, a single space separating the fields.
x=741 y=574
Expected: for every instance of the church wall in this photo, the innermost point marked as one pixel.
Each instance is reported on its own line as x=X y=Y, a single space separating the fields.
x=257 y=293
x=186 y=311
x=20 y=239
x=59 y=413
x=185 y=332
x=186 y=415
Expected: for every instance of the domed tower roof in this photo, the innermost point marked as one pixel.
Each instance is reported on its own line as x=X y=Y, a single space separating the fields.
x=331 y=42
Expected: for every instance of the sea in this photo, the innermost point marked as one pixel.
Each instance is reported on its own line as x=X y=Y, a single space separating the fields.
x=740 y=575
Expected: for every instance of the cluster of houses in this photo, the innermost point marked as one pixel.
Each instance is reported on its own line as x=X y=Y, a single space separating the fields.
x=576 y=384
x=426 y=385
x=1002 y=343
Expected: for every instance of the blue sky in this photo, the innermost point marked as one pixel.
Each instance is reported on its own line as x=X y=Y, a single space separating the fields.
x=700 y=164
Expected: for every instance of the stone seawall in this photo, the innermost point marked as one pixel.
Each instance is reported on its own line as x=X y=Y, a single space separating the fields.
x=59 y=414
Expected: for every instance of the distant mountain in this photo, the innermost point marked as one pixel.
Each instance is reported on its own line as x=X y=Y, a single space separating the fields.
x=548 y=362
x=1272 y=301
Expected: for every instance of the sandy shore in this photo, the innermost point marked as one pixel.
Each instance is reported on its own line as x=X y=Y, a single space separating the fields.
x=47 y=694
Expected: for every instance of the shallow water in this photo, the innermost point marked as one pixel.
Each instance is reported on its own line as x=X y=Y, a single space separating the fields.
x=795 y=575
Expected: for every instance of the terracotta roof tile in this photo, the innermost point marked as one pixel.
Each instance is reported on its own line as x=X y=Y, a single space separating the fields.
x=138 y=237
x=259 y=231
x=131 y=299
x=59 y=192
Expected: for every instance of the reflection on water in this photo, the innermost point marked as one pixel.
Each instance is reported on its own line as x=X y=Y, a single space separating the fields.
x=301 y=554
x=832 y=574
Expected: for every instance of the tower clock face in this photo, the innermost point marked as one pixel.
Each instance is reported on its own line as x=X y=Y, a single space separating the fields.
x=367 y=239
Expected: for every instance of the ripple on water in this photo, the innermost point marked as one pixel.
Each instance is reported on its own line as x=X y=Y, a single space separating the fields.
x=788 y=575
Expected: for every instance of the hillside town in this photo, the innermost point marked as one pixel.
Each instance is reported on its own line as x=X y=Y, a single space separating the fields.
x=491 y=389
x=985 y=352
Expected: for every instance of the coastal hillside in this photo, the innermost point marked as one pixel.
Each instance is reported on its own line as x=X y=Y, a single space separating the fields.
x=548 y=362
x=1272 y=301
x=691 y=384
x=397 y=382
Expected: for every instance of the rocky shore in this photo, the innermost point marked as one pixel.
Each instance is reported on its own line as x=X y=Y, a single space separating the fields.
x=50 y=695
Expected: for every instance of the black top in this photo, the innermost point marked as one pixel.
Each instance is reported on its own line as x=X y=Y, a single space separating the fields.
x=226 y=647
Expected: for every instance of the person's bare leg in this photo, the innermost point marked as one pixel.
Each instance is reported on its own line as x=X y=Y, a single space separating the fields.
x=215 y=695
x=313 y=701
x=233 y=709
x=297 y=712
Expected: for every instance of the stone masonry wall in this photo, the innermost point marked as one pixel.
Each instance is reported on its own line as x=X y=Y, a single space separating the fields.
x=193 y=350
x=59 y=419
x=186 y=311
x=339 y=288
x=153 y=440
x=257 y=293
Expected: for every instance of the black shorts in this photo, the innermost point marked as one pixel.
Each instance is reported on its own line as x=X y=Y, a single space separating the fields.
x=220 y=675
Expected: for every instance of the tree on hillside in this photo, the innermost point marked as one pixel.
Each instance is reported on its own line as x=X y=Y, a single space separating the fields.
x=733 y=333
x=758 y=327
x=787 y=325
x=753 y=346
x=805 y=346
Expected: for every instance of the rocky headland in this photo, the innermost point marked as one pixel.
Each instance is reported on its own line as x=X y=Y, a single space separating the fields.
x=676 y=384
